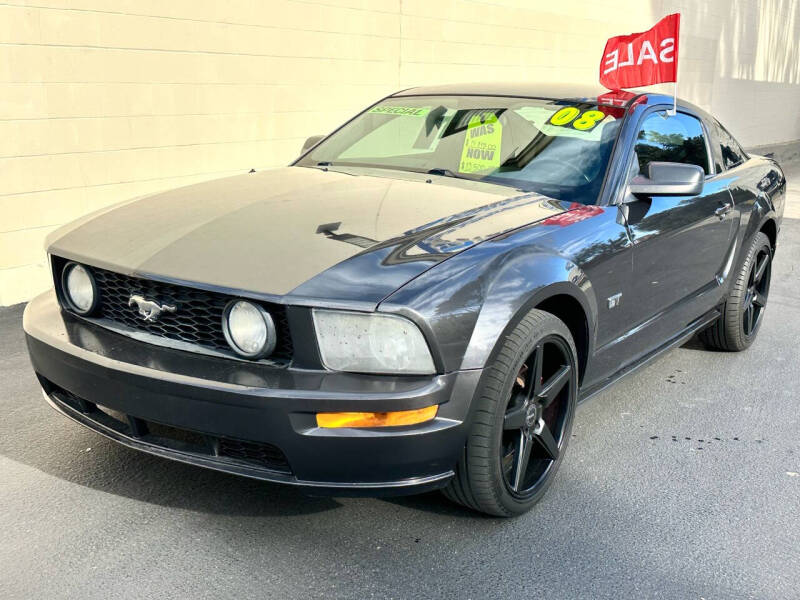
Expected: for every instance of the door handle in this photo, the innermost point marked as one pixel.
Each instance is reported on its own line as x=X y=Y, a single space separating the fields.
x=724 y=209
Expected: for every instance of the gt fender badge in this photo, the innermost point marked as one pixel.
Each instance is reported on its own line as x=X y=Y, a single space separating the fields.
x=613 y=301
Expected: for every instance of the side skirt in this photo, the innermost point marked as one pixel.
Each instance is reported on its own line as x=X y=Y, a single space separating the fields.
x=693 y=327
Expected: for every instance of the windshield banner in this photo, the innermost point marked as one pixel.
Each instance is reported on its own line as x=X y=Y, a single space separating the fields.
x=642 y=58
x=403 y=111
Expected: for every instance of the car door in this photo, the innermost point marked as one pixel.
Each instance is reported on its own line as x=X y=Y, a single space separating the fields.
x=680 y=243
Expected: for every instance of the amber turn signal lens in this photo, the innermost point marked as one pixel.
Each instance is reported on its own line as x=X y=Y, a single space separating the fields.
x=377 y=419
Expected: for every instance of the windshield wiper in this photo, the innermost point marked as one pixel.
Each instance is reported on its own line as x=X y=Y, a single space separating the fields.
x=443 y=173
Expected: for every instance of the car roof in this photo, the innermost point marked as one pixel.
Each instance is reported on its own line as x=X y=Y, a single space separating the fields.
x=532 y=90
x=587 y=93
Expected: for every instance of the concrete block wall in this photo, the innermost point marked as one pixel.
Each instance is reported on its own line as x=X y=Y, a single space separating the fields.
x=103 y=100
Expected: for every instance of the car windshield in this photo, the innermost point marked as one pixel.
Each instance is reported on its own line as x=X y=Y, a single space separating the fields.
x=559 y=148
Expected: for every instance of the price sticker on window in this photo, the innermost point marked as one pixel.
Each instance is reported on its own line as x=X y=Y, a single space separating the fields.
x=481 y=151
x=571 y=116
x=568 y=121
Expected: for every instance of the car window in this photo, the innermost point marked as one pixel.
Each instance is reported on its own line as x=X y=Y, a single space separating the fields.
x=678 y=138
x=394 y=137
x=730 y=150
x=560 y=148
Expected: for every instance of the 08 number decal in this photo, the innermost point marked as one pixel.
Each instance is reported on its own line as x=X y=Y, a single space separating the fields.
x=565 y=116
x=571 y=116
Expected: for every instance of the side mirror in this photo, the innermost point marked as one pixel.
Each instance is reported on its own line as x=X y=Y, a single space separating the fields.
x=311 y=142
x=669 y=179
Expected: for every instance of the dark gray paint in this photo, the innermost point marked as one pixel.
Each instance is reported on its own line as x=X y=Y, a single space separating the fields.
x=265 y=233
x=668 y=260
x=495 y=252
x=464 y=260
x=627 y=517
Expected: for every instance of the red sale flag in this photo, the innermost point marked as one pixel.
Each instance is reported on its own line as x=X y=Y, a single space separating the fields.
x=642 y=58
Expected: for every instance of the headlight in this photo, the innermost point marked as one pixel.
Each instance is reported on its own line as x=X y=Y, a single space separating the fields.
x=371 y=343
x=249 y=329
x=79 y=288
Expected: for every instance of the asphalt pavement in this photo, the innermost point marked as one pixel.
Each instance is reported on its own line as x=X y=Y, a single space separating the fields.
x=683 y=481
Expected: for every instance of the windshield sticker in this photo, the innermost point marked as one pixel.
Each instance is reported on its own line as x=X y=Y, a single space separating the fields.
x=571 y=116
x=404 y=111
x=482 y=141
x=568 y=121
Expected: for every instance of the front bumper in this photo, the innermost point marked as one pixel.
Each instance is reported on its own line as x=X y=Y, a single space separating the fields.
x=195 y=409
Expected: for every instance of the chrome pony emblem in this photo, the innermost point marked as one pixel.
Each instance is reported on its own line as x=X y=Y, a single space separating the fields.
x=150 y=310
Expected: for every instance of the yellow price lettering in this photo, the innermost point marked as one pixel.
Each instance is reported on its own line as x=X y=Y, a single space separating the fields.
x=564 y=116
x=588 y=120
x=570 y=115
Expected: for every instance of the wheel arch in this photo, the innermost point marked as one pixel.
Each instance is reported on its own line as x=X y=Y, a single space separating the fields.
x=760 y=218
x=570 y=298
x=568 y=308
x=770 y=228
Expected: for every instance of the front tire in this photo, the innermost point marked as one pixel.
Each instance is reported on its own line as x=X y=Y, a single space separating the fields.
x=523 y=417
x=744 y=308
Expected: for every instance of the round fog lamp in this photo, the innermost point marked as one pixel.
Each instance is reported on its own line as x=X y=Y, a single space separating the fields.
x=249 y=329
x=79 y=288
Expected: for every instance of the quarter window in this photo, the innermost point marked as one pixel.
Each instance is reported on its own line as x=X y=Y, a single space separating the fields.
x=732 y=153
x=678 y=138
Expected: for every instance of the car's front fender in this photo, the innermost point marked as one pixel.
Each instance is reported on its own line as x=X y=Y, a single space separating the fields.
x=525 y=281
x=471 y=300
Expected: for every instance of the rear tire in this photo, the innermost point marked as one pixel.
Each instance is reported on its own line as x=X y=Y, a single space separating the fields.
x=522 y=420
x=744 y=307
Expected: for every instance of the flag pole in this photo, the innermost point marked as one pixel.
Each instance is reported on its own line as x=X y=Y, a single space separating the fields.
x=675 y=97
x=675 y=88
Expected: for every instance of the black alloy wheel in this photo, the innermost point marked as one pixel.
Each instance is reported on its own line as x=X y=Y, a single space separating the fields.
x=757 y=291
x=536 y=416
x=522 y=418
x=743 y=311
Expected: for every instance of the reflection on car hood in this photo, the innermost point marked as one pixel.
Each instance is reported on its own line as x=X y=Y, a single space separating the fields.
x=295 y=233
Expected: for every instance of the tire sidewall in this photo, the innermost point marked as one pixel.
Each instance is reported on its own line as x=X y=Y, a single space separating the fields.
x=734 y=313
x=552 y=326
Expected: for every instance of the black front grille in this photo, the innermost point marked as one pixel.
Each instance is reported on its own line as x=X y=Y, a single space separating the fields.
x=256 y=454
x=265 y=455
x=198 y=315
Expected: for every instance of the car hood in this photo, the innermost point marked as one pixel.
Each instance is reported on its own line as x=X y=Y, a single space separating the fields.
x=300 y=233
